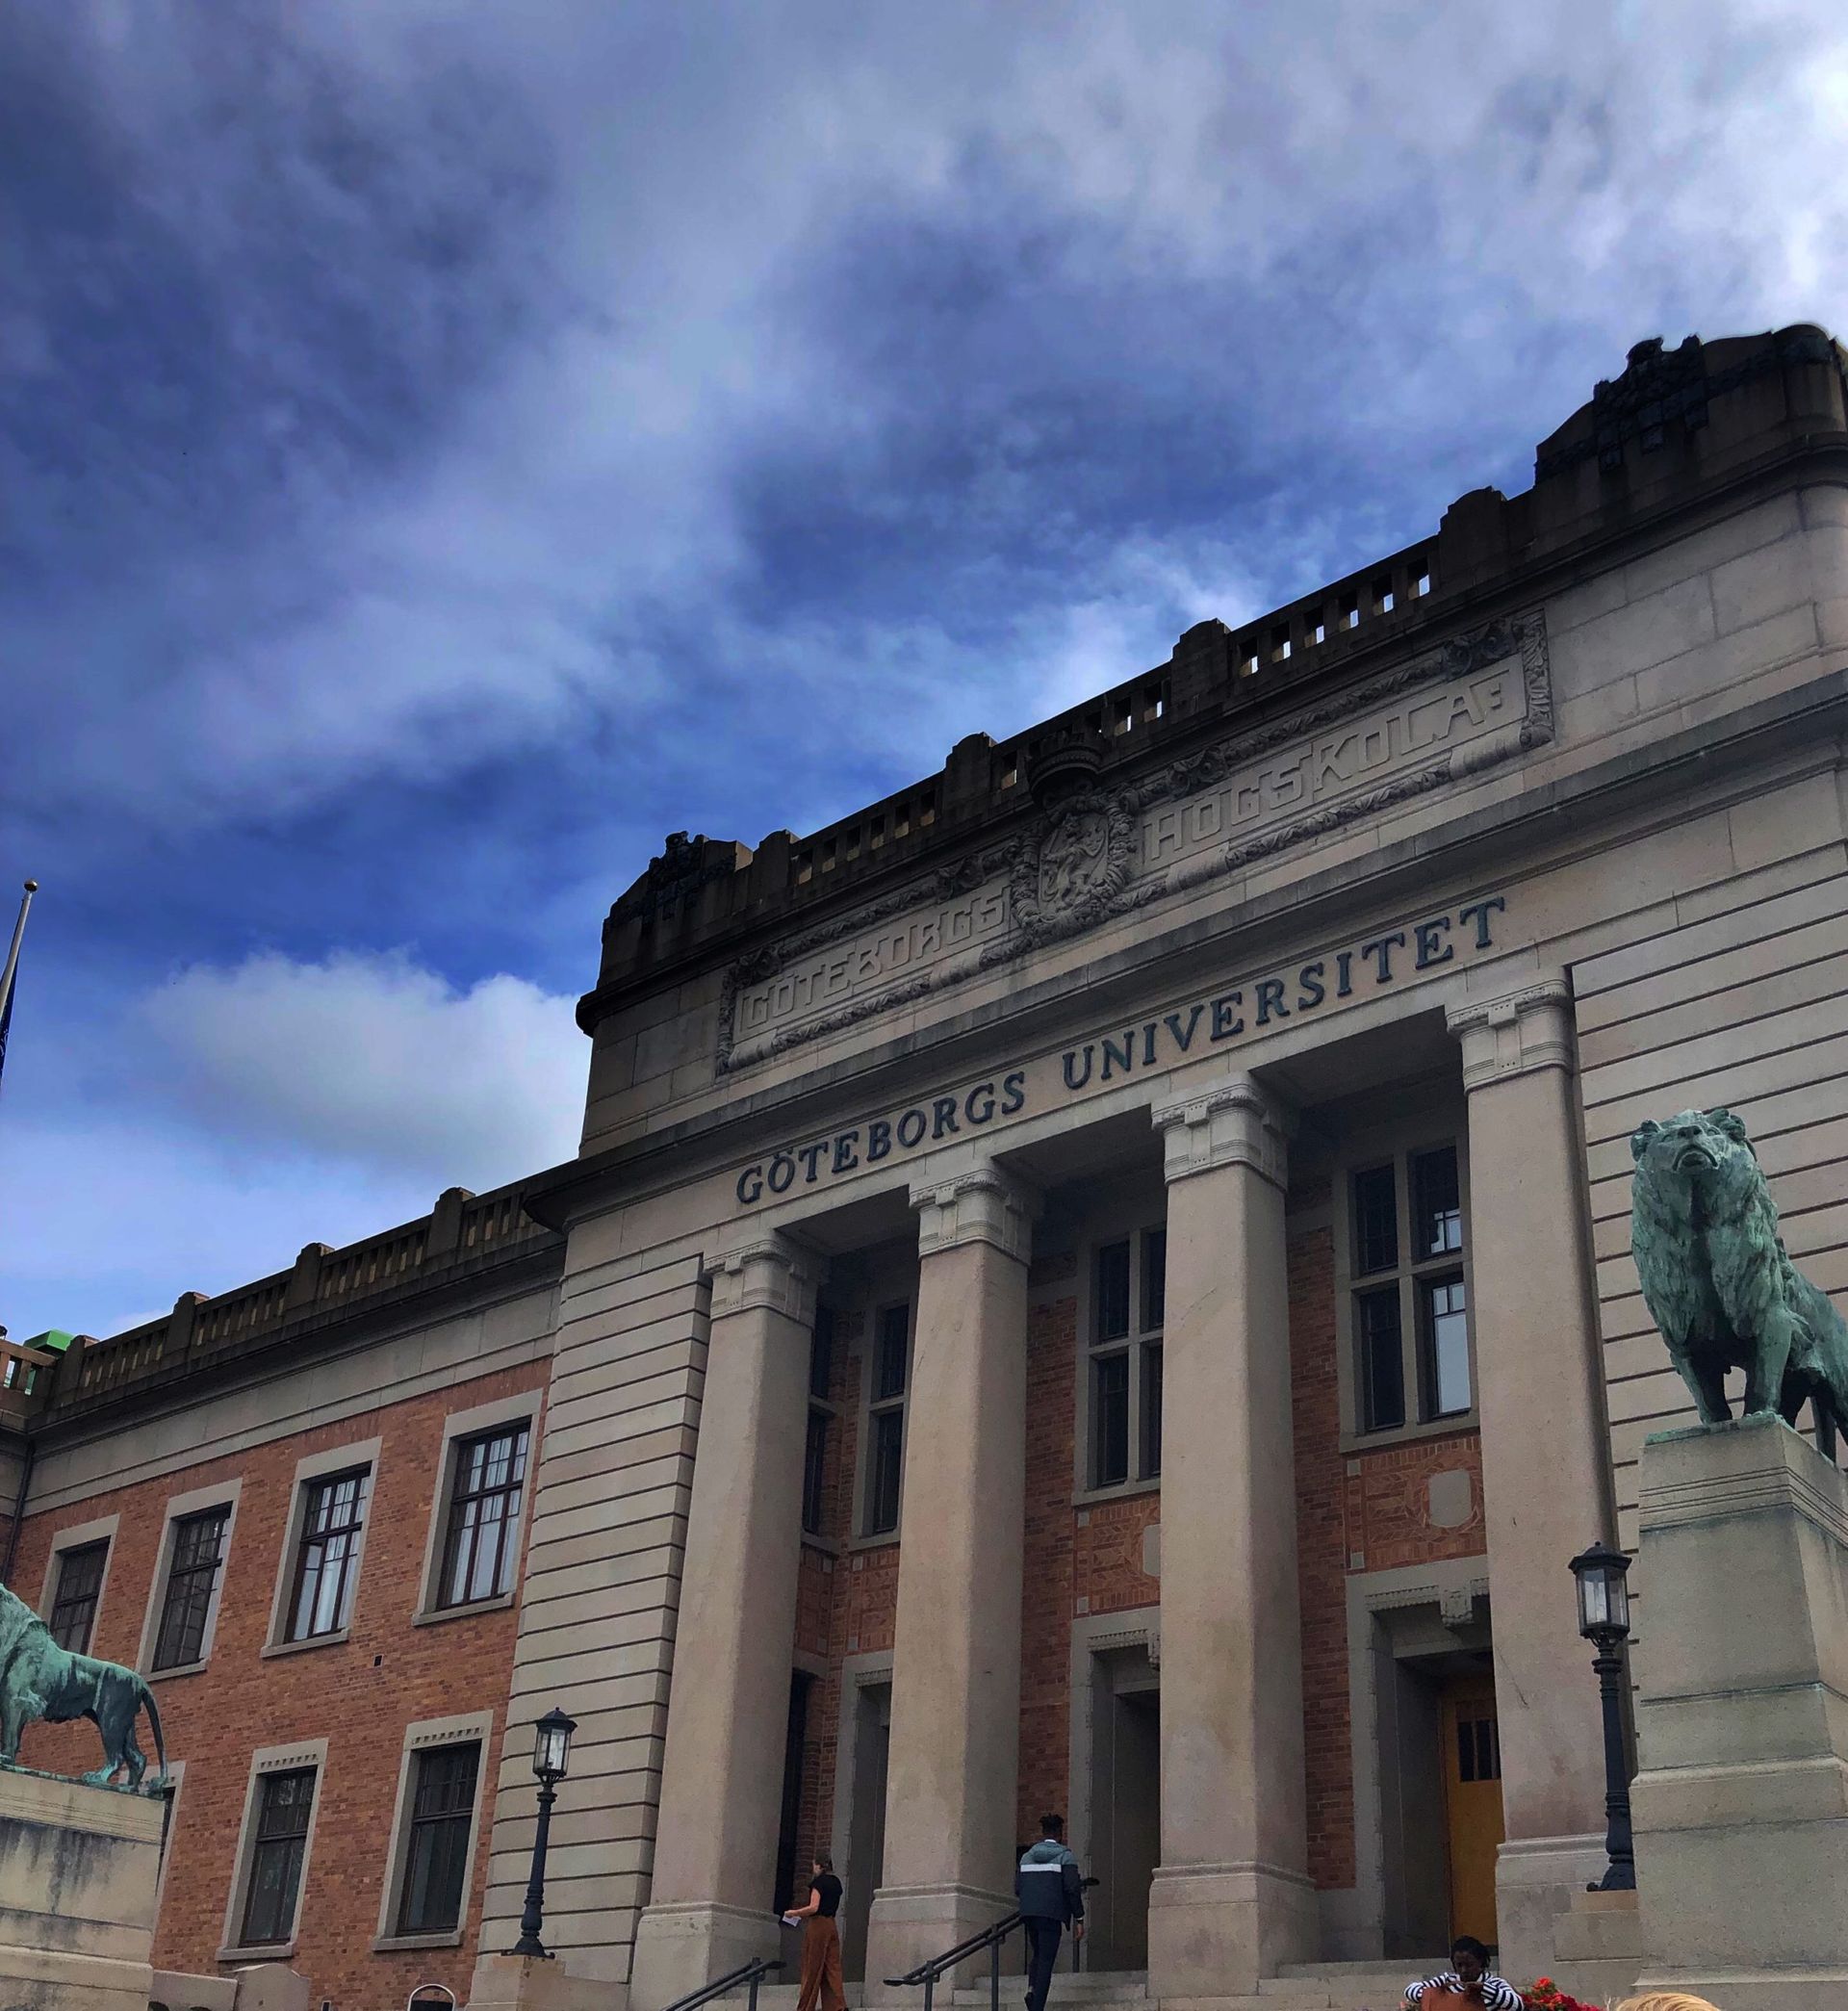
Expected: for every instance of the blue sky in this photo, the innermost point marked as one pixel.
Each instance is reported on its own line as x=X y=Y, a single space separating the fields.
x=443 y=448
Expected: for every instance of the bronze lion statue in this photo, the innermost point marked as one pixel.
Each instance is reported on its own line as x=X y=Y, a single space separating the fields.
x=1718 y=1283
x=41 y=1680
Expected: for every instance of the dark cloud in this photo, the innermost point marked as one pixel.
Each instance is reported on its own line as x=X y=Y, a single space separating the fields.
x=443 y=449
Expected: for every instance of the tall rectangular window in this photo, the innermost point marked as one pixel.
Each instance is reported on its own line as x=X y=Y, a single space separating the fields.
x=80 y=1585
x=814 y=1468
x=1128 y=1304
x=885 y=1418
x=191 y=1578
x=478 y=1554
x=1411 y=1329
x=333 y=1515
x=285 y=1801
x=436 y=1856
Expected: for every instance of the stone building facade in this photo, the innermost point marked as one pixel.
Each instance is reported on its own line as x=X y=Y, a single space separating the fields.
x=1098 y=1282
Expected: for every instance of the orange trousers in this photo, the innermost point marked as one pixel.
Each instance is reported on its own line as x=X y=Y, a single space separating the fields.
x=820 y=1965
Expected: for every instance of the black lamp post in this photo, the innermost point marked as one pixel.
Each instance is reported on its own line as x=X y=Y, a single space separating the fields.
x=1604 y=1619
x=550 y=1755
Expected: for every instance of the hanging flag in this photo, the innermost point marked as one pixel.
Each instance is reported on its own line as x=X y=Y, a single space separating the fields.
x=8 y=977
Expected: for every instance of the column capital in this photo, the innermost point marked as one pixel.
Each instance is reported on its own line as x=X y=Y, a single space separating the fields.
x=984 y=1206
x=770 y=1274
x=1512 y=1035
x=1238 y=1122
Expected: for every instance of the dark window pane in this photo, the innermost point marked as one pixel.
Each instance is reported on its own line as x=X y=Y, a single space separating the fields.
x=889 y=1352
x=73 y=1609
x=284 y=1804
x=198 y=1546
x=1437 y=1225
x=1151 y=1412
x=1489 y=1748
x=1382 y=1365
x=1444 y=1341
x=821 y=1352
x=484 y=1516
x=814 y=1464
x=1109 y=1420
x=436 y=1857
x=1465 y=1749
x=332 y=1516
x=1375 y=1221
x=1154 y=1280
x=1113 y=1292
x=888 y=1453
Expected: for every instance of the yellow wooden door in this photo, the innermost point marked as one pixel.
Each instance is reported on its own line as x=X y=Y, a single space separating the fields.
x=1473 y=1802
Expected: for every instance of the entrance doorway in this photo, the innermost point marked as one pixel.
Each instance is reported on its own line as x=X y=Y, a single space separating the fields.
x=1125 y=1805
x=1472 y=1803
x=1440 y=1785
x=872 y=1744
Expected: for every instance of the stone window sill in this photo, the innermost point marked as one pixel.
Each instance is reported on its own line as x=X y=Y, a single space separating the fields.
x=885 y=1540
x=270 y=1952
x=1355 y=1443
x=184 y=1668
x=1117 y=1491
x=385 y=1943
x=335 y=1639
x=499 y=1603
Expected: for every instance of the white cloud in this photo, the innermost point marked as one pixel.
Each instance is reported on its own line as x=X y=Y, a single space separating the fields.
x=377 y=1061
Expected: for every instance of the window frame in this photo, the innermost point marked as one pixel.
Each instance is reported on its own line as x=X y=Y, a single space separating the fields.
x=873 y=1407
x=310 y=1470
x=181 y=1508
x=458 y=1429
x=1140 y=1346
x=304 y=1755
x=80 y=1535
x=1401 y=1146
x=424 y=1736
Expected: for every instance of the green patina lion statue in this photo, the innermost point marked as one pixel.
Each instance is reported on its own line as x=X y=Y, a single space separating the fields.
x=1717 y=1282
x=41 y=1680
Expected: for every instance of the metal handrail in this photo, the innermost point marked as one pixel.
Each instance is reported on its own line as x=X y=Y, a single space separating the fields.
x=750 y=1972
x=991 y=1937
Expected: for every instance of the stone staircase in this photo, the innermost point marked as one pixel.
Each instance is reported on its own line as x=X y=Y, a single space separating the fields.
x=1304 y=1986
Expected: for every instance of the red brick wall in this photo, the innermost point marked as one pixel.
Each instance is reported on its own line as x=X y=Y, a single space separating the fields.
x=1357 y=1512
x=358 y=1695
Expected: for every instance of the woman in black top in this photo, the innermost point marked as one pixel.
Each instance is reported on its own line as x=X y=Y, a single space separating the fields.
x=821 y=1982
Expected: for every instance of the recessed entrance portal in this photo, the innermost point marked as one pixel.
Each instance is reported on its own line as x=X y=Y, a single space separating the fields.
x=871 y=1733
x=1440 y=1781
x=1126 y=1804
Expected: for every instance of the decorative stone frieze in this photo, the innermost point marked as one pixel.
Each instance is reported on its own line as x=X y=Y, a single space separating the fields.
x=1521 y=1031
x=1238 y=1123
x=773 y=1274
x=984 y=1206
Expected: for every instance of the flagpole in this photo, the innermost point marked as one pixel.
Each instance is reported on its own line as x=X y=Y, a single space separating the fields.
x=12 y=954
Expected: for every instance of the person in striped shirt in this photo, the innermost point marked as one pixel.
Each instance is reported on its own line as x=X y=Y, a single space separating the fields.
x=1470 y=1977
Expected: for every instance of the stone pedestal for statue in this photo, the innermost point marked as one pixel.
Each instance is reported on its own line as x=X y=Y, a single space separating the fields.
x=1597 y=1947
x=79 y=1870
x=1741 y=1804
x=538 y=1983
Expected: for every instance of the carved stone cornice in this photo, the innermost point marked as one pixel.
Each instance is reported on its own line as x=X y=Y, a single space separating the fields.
x=772 y=1274
x=984 y=1207
x=1237 y=1123
x=1515 y=1034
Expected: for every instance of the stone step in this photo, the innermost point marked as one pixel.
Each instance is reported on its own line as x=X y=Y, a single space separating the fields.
x=1091 y=1988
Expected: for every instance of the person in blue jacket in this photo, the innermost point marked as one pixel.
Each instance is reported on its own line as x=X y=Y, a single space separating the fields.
x=1051 y=1893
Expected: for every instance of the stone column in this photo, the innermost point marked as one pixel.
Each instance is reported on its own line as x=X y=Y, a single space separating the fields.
x=956 y=1663
x=1545 y=1467
x=711 y=1904
x=1231 y=1900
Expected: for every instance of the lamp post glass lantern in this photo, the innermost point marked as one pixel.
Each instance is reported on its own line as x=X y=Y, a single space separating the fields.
x=1604 y=1619
x=550 y=1757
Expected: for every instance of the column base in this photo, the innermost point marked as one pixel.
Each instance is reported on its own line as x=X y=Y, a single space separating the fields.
x=1537 y=1879
x=910 y=1924
x=677 y=1947
x=1214 y=1929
